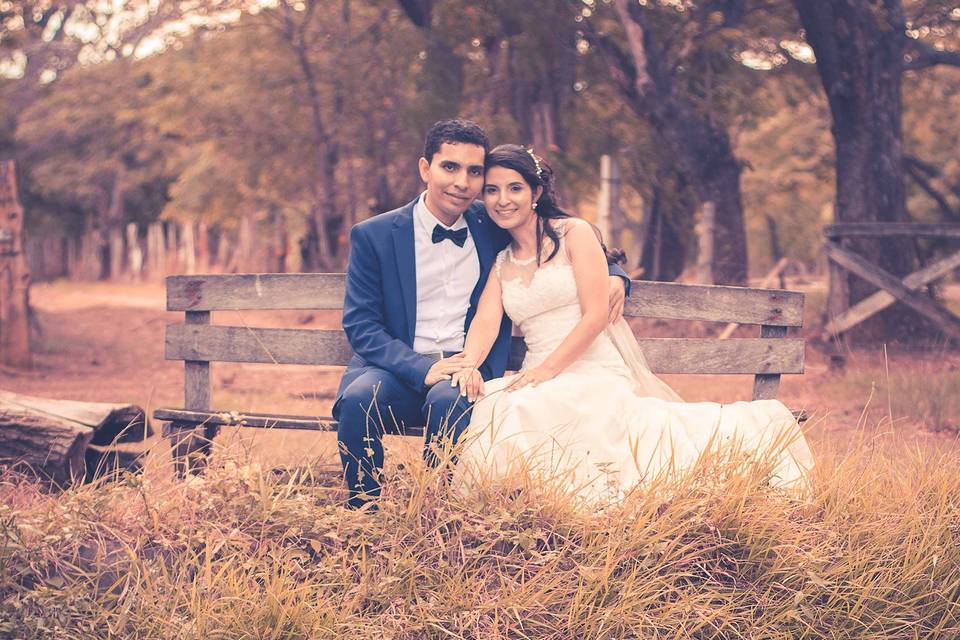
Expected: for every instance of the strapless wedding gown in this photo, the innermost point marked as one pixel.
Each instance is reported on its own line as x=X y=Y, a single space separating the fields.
x=600 y=427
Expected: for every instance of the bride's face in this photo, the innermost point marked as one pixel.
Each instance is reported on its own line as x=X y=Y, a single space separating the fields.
x=508 y=198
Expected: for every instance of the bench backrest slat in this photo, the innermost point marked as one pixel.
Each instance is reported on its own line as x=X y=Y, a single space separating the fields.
x=665 y=300
x=322 y=347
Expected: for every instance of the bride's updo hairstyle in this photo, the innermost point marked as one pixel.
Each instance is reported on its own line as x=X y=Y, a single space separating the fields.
x=537 y=173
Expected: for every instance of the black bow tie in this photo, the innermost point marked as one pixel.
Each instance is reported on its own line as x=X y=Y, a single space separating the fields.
x=458 y=237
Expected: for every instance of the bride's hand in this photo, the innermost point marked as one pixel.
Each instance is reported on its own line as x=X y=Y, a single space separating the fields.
x=470 y=382
x=531 y=377
x=616 y=299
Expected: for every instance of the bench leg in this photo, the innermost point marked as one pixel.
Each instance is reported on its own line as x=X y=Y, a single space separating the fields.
x=191 y=445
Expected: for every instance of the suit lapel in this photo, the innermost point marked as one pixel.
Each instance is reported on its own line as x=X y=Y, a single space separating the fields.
x=405 y=251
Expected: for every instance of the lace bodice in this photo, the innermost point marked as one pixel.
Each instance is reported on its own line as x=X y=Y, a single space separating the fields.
x=530 y=289
x=542 y=302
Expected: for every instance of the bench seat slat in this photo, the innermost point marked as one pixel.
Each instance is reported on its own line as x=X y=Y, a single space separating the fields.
x=324 y=347
x=257 y=420
x=278 y=421
x=666 y=300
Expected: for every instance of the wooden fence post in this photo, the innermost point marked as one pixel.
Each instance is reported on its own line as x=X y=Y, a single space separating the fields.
x=134 y=253
x=705 y=236
x=115 y=239
x=608 y=198
x=14 y=277
x=172 y=264
x=203 y=247
x=190 y=449
x=156 y=257
x=72 y=260
x=225 y=253
x=775 y=252
x=278 y=249
x=89 y=258
x=838 y=290
x=188 y=240
x=245 y=258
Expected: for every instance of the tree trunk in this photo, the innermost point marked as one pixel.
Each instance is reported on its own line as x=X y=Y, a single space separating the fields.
x=536 y=103
x=702 y=149
x=664 y=253
x=860 y=62
x=441 y=80
x=14 y=276
x=706 y=158
x=317 y=248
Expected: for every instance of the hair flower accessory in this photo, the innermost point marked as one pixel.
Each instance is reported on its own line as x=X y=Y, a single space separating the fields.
x=536 y=161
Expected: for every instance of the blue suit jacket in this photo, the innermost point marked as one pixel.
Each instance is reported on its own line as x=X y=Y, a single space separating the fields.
x=379 y=306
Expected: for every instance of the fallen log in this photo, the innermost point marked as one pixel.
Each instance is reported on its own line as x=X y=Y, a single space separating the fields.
x=102 y=462
x=51 y=437
x=111 y=423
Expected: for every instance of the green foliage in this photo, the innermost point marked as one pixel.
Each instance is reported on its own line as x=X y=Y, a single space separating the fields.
x=222 y=126
x=90 y=143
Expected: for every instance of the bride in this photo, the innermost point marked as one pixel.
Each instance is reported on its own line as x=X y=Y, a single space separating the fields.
x=584 y=406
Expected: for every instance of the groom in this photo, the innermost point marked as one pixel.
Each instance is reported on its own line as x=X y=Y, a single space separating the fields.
x=414 y=278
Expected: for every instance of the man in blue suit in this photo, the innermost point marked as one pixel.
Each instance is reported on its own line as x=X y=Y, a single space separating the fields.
x=414 y=278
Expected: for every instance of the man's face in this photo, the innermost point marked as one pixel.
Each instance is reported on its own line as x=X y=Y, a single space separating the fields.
x=454 y=178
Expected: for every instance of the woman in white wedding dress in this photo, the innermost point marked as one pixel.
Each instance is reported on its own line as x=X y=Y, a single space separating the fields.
x=584 y=408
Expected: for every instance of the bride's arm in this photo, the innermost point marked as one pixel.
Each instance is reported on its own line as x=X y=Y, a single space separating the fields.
x=480 y=338
x=486 y=323
x=590 y=271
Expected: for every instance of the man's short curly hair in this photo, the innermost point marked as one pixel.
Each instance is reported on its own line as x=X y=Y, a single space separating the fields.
x=454 y=131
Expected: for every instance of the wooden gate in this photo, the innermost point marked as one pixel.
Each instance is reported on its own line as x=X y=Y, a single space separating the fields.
x=908 y=290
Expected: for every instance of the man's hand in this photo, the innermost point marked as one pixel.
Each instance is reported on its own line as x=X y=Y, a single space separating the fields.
x=470 y=382
x=617 y=295
x=443 y=369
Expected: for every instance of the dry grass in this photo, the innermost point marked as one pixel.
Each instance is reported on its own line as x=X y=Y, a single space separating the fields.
x=871 y=549
x=932 y=397
x=924 y=393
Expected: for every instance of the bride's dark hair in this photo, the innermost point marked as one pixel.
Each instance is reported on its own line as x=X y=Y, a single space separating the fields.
x=537 y=173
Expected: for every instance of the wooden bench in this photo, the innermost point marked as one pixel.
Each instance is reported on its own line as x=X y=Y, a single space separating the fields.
x=198 y=342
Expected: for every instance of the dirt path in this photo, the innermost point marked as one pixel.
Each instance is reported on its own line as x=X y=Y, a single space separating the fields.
x=104 y=342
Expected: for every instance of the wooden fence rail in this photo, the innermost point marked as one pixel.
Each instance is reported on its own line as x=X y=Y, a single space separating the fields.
x=908 y=291
x=154 y=251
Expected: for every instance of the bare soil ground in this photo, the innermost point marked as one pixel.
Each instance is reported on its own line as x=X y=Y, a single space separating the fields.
x=104 y=342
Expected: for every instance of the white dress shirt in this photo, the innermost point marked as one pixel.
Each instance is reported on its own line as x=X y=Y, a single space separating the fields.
x=446 y=276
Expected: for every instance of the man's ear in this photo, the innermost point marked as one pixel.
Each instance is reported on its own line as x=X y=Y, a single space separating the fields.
x=424 y=167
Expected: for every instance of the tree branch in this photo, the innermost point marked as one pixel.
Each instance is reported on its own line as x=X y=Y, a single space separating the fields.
x=925 y=56
x=621 y=67
x=929 y=169
x=634 y=33
x=930 y=190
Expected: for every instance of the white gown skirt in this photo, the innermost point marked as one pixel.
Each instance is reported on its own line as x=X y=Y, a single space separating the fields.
x=587 y=430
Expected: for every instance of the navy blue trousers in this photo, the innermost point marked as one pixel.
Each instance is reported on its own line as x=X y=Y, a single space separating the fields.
x=378 y=403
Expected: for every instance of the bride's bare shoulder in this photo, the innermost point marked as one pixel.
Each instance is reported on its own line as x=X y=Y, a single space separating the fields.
x=563 y=226
x=573 y=228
